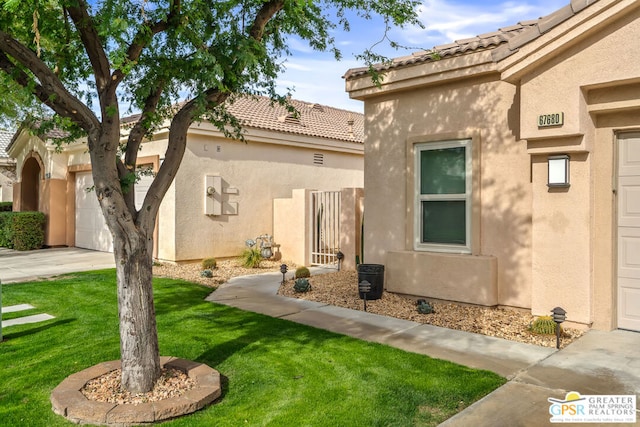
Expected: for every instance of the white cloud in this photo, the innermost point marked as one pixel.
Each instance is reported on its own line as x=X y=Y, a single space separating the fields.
x=450 y=20
x=318 y=77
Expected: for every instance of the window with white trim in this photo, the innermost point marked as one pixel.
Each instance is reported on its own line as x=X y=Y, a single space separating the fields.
x=442 y=213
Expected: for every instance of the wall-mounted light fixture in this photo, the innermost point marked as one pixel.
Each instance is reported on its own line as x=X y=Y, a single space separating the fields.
x=558 y=171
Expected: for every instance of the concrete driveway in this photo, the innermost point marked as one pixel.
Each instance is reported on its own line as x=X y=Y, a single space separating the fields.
x=19 y=266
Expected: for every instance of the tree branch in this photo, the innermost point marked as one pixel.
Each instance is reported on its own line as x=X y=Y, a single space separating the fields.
x=141 y=127
x=48 y=88
x=92 y=43
x=263 y=17
x=142 y=39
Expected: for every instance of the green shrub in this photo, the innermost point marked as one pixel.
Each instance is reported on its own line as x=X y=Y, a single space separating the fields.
x=251 y=258
x=302 y=285
x=6 y=229
x=206 y=273
x=6 y=206
x=302 y=272
x=209 y=263
x=28 y=230
x=543 y=325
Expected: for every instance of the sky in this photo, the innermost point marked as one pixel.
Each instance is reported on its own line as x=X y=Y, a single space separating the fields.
x=317 y=77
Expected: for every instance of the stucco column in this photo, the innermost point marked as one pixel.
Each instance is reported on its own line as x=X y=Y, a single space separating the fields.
x=351 y=207
x=54 y=206
x=290 y=219
x=17 y=188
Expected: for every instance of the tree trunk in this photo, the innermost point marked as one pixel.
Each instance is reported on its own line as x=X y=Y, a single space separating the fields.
x=138 y=333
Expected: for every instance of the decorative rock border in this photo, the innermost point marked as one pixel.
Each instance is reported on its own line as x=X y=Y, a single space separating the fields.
x=68 y=401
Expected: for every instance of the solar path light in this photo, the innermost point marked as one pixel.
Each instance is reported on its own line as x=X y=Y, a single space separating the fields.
x=364 y=287
x=559 y=316
x=283 y=270
x=340 y=257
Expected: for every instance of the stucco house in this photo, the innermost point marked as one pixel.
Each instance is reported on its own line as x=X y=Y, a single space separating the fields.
x=224 y=191
x=505 y=169
x=7 y=168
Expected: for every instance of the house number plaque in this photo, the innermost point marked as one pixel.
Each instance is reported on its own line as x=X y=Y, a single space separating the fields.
x=548 y=120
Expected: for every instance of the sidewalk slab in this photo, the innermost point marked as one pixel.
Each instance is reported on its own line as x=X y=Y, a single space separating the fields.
x=15 y=308
x=513 y=405
x=36 y=318
x=358 y=324
x=274 y=306
x=503 y=357
x=598 y=363
x=506 y=358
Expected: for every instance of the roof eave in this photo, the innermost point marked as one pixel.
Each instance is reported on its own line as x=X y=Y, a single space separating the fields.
x=285 y=138
x=561 y=31
x=423 y=74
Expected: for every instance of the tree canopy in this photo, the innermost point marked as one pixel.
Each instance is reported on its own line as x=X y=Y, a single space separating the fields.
x=73 y=63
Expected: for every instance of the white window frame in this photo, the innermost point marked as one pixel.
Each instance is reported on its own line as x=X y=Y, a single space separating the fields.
x=419 y=198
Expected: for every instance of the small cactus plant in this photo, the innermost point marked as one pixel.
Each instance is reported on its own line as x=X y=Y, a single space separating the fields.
x=543 y=325
x=302 y=285
x=209 y=263
x=206 y=273
x=302 y=272
x=424 y=307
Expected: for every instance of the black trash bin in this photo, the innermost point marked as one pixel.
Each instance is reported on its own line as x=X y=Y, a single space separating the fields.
x=374 y=274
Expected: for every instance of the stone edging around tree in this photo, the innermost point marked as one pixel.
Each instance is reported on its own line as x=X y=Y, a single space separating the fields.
x=68 y=401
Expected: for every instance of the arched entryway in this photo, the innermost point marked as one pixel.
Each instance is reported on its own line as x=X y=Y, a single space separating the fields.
x=30 y=184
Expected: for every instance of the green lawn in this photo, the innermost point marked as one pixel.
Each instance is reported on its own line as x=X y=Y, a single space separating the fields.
x=276 y=373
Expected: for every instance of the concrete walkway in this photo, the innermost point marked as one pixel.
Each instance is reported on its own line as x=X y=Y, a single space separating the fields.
x=18 y=266
x=598 y=363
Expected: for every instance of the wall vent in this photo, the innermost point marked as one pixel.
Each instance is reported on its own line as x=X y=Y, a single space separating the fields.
x=318 y=159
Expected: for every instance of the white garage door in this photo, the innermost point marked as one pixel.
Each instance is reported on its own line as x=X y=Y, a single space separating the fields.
x=629 y=232
x=91 y=227
x=141 y=189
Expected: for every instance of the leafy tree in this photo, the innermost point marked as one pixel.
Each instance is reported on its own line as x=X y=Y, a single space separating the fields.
x=79 y=60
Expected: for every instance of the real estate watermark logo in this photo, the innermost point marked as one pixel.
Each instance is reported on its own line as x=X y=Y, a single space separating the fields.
x=593 y=408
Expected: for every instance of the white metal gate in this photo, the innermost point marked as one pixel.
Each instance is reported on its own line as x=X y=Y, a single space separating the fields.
x=325 y=213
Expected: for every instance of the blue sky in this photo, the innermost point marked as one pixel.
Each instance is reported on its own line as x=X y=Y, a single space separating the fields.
x=317 y=77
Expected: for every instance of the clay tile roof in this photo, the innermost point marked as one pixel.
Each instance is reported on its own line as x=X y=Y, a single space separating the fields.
x=530 y=30
x=310 y=119
x=459 y=47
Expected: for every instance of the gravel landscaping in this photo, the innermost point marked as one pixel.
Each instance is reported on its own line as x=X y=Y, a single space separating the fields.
x=340 y=289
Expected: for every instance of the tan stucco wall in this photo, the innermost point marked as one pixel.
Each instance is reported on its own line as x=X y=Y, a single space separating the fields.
x=561 y=241
x=485 y=110
x=595 y=84
x=260 y=174
x=253 y=174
